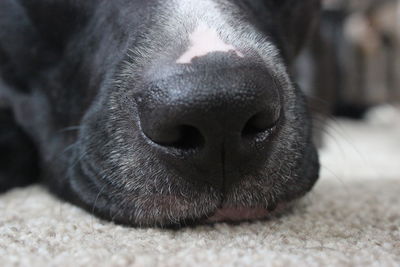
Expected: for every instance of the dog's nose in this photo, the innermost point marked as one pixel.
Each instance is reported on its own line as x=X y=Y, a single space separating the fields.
x=207 y=125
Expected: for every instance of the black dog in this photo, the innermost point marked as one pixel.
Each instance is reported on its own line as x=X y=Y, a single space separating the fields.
x=157 y=112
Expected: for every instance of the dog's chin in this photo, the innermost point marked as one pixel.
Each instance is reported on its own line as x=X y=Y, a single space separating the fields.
x=237 y=214
x=171 y=211
x=241 y=214
x=198 y=206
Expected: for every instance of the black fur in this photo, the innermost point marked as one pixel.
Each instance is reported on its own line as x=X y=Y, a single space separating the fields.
x=71 y=71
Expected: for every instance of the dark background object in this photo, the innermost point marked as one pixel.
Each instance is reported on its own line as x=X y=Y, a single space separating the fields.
x=353 y=61
x=18 y=160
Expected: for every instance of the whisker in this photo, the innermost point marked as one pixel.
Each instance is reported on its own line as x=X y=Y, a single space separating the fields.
x=94 y=205
x=349 y=141
x=73 y=165
x=71 y=128
x=337 y=177
x=70 y=147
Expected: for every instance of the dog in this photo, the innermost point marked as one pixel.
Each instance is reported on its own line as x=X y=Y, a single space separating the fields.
x=157 y=113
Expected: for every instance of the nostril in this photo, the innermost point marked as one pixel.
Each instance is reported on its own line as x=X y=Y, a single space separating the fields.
x=260 y=123
x=190 y=138
x=184 y=137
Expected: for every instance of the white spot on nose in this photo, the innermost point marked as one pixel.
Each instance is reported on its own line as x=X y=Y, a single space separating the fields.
x=203 y=41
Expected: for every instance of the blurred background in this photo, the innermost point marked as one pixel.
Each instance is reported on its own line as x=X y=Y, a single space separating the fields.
x=351 y=69
x=353 y=62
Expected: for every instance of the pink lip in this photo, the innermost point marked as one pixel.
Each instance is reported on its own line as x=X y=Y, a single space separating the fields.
x=238 y=214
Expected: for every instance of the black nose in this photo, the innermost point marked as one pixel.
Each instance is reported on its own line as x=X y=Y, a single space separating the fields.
x=207 y=126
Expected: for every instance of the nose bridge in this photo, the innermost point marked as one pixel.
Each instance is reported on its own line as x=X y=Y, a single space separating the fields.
x=213 y=94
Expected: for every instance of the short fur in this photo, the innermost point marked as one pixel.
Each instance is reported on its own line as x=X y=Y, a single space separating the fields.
x=71 y=74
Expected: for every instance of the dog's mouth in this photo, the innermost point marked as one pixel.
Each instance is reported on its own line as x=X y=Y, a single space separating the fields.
x=237 y=214
x=242 y=214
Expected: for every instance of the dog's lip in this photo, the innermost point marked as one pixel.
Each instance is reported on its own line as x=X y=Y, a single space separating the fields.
x=242 y=214
x=237 y=214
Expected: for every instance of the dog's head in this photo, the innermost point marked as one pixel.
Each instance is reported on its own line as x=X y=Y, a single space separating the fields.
x=190 y=113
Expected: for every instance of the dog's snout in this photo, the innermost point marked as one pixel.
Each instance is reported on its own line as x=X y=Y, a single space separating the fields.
x=214 y=122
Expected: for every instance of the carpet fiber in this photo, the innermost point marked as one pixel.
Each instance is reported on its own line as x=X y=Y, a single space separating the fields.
x=352 y=218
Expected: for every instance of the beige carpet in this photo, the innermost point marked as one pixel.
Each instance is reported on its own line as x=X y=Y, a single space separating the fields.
x=352 y=218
